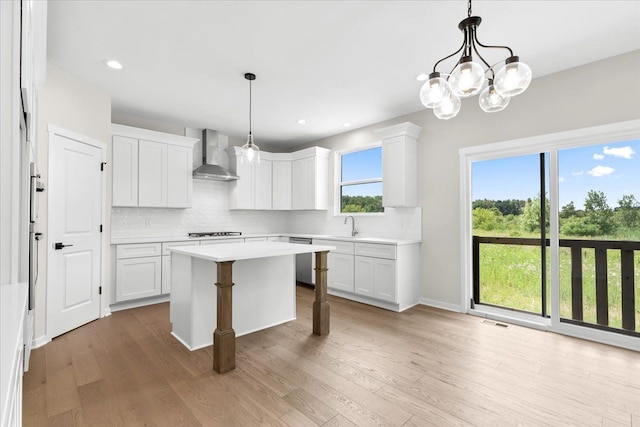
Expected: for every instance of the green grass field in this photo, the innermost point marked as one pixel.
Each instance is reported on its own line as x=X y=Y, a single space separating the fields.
x=510 y=277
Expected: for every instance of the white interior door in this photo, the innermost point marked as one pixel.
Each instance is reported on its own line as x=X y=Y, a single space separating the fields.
x=75 y=249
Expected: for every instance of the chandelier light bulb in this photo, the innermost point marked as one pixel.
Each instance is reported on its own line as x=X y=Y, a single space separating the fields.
x=467 y=78
x=449 y=108
x=513 y=78
x=434 y=91
x=491 y=101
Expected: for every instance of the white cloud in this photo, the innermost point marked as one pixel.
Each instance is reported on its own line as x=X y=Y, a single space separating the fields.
x=624 y=152
x=577 y=173
x=598 y=156
x=561 y=179
x=599 y=171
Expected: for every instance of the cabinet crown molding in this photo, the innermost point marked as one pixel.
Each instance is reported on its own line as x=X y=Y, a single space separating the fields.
x=152 y=135
x=401 y=129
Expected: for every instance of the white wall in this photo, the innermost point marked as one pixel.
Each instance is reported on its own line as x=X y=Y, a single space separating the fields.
x=603 y=92
x=72 y=104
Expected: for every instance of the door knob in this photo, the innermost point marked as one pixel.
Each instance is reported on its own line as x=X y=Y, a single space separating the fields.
x=59 y=246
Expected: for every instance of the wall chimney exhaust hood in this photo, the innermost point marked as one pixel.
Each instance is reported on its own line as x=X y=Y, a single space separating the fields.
x=211 y=168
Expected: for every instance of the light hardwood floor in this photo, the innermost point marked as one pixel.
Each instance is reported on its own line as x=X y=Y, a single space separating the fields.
x=423 y=367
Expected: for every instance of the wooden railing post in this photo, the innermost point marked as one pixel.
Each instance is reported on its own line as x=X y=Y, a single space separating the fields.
x=576 y=283
x=628 y=290
x=602 y=293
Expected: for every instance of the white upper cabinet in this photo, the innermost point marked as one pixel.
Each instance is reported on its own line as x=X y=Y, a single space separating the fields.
x=281 y=181
x=152 y=174
x=125 y=171
x=254 y=188
x=151 y=169
x=400 y=165
x=310 y=179
x=281 y=185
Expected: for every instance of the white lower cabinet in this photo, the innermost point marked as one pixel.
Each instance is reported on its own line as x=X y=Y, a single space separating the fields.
x=165 y=288
x=340 y=275
x=376 y=278
x=138 y=278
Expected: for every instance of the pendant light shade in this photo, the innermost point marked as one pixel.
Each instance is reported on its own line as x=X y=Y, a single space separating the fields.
x=449 y=108
x=471 y=73
x=513 y=78
x=434 y=91
x=250 y=151
x=467 y=78
x=491 y=101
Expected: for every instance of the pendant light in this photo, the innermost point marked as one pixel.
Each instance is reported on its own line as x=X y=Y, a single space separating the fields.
x=468 y=77
x=250 y=151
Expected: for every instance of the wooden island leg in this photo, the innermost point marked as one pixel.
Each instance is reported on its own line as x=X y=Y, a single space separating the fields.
x=224 y=337
x=321 y=305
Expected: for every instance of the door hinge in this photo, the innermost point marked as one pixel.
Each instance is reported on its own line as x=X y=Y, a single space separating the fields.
x=100 y=290
x=101 y=228
x=102 y=166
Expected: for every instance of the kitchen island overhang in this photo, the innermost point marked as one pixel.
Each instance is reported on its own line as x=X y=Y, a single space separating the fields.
x=205 y=310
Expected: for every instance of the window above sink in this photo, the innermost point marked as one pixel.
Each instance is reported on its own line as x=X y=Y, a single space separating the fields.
x=359 y=180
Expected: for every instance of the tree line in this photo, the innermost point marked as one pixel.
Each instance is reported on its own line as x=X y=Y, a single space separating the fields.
x=596 y=219
x=361 y=204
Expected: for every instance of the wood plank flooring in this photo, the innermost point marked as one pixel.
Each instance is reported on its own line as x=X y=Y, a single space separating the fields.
x=423 y=367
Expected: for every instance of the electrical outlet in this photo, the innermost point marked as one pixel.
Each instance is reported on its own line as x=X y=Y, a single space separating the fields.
x=147 y=223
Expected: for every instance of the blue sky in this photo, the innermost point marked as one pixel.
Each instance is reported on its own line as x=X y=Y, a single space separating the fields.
x=361 y=165
x=611 y=168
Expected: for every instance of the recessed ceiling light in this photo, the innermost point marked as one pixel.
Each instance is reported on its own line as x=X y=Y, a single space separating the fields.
x=422 y=77
x=112 y=63
x=302 y=121
x=347 y=125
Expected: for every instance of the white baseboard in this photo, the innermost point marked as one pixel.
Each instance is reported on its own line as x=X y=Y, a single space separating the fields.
x=106 y=312
x=126 y=305
x=40 y=341
x=443 y=305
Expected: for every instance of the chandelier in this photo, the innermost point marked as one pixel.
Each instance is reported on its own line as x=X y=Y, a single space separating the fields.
x=250 y=151
x=468 y=77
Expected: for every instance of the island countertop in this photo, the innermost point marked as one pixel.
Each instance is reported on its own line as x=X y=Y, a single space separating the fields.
x=250 y=250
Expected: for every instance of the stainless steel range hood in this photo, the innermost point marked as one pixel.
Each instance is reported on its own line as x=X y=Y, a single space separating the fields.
x=211 y=168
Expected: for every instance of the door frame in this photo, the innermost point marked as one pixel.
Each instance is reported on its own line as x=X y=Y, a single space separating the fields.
x=551 y=143
x=57 y=130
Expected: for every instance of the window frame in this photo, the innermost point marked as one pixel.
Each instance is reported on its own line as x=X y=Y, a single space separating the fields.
x=338 y=183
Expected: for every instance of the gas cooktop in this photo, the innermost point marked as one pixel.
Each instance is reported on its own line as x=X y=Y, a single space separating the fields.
x=215 y=233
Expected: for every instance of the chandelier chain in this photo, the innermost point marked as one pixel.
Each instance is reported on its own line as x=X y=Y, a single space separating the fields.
x=469 y=9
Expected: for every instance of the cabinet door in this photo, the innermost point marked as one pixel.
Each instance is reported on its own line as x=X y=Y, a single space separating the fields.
x=364 y=276
x=124 y=155
x=152 y=171
x=138 y=278
x=179 y=176
x=303 y=183
x=262 y=190
x=399 y=168
x=166 y=275
x=242 y=189
x=384 y=271
x=281 y=182
x=341 y=275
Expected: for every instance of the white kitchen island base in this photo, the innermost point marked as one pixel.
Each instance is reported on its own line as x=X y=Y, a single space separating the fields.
x=264 y=278
x=264 y=295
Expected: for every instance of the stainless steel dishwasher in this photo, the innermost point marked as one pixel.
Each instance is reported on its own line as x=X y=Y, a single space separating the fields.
x=304 y=262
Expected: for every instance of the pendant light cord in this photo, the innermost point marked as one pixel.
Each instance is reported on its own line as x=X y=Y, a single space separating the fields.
x=249 y=107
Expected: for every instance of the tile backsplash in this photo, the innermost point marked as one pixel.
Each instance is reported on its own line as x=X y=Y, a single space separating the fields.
x=210 y=212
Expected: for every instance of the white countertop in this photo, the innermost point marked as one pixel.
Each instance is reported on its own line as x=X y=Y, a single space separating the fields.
x=126 y=240
x=13 y=306
x=251 y=250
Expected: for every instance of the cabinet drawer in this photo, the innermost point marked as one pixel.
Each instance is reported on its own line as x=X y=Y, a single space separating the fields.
x=341 y=247
x=255 y=239
x=167 y=245
x=137 y=250
x=376 y=250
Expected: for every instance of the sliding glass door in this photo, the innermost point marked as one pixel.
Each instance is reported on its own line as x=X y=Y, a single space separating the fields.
x=510 y=219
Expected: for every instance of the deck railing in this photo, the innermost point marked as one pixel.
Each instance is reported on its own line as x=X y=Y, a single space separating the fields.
x=627 y=280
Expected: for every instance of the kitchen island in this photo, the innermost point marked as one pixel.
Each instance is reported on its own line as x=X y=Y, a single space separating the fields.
x=203 y=310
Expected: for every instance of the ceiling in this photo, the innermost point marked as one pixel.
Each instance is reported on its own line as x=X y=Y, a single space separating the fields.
x=328 y=62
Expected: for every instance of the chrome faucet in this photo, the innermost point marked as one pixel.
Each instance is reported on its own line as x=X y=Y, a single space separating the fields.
x=353 y=225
